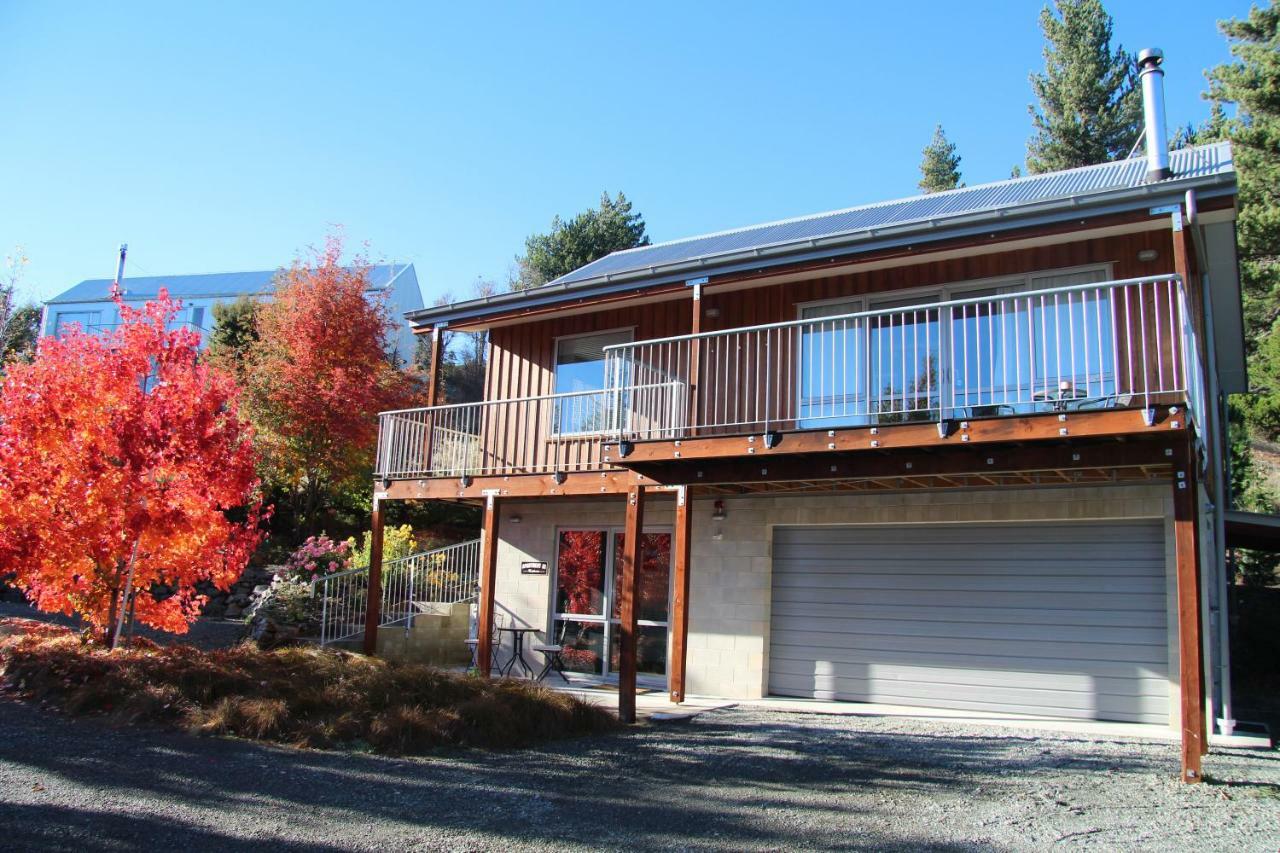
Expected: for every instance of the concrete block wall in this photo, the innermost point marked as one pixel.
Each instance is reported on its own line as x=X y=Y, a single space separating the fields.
x=731 y=571
x=438 y=637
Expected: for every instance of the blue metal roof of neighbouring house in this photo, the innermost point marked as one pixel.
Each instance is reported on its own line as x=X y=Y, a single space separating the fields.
x=1189 y=163
x=205 y=285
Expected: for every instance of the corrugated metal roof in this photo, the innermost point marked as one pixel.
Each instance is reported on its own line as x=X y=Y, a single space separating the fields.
x=222 y=284
x=1010 y=195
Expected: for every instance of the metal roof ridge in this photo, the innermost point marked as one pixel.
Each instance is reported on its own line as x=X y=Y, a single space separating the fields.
x=1110 y=164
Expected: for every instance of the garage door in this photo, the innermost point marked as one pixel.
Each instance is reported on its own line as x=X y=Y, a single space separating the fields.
x=1063 y=619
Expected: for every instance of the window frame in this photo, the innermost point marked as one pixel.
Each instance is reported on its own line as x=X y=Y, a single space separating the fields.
x=557 y=433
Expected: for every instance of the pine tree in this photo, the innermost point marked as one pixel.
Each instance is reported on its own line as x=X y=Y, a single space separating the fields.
x=1252 y=84
x=940 y=168
x=589 y=236
x=1090 y=109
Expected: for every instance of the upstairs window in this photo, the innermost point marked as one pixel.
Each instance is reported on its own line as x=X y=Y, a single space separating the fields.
x=580 y=375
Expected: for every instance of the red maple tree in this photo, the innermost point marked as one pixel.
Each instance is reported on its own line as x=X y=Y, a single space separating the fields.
x=319 y=373
x=125 y=466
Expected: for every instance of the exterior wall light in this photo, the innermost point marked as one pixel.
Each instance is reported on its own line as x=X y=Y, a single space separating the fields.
x=717 y=529
x=1148 y=255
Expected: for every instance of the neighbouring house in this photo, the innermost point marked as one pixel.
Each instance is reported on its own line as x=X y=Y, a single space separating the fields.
x=963 y=450
x=89 y=302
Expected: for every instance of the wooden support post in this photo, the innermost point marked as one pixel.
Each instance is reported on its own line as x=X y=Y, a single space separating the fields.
x=628 y=615
x=680 y=592
x=488 y=585
x=373 y=607
x=1190 y=664
x=433 y=391
x=695 y=361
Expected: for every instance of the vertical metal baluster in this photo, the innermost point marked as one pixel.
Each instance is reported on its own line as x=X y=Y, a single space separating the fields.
x=1142 y=322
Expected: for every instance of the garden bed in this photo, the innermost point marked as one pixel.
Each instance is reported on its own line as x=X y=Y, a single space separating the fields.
x=297 y=696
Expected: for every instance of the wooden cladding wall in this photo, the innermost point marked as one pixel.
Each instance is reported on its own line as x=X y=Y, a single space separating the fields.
x=779 y=302
x=522 y=363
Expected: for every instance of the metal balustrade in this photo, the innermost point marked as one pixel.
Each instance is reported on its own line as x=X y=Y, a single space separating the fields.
x=1115 y=344
x=446 y=575
x=1106 y=345
x=527 y=435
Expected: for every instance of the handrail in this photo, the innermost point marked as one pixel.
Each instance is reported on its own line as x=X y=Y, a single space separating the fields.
x=1107 y=344
x=562 y=395
x=447 y=575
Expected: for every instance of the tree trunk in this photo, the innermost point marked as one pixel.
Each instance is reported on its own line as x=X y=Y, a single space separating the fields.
x=109 y=633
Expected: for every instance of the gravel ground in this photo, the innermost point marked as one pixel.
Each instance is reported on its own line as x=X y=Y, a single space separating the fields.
x=735 y=779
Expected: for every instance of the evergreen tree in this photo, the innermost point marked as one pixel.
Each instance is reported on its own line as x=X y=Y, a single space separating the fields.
x=940 y=168
x=587 y=237
x=19 y=335
x=1252 y=84
x=235 y=331
x=1090 y=109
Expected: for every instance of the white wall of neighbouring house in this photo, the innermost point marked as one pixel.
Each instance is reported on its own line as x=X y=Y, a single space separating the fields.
x=731 y=563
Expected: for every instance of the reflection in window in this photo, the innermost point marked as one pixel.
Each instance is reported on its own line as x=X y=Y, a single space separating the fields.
x=579 y=372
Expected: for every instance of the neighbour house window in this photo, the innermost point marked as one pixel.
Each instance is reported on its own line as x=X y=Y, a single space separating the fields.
x=89 y=321
x=580 y=377
x=197 y=317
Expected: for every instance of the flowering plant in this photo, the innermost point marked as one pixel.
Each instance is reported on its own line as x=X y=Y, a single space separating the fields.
x=318 y=556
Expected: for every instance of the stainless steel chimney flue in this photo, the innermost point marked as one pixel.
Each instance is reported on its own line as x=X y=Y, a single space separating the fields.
x=1156 y=134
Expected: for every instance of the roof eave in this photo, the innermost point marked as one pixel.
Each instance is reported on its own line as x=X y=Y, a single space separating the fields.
x=1067 y=207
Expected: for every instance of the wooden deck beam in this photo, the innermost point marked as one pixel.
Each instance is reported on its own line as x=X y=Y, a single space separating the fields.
x=1154 y=450
x=1106 y=423
x=576 y=484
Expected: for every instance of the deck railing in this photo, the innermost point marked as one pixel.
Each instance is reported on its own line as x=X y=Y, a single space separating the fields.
x=527 y=435
x=1106 y=345
x=1114 y=344
x=442 y=576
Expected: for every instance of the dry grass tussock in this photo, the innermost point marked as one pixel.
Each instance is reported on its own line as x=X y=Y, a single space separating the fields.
x=297 y=696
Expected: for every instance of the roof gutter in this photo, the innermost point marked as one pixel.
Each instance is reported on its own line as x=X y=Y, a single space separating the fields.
x=814 y=248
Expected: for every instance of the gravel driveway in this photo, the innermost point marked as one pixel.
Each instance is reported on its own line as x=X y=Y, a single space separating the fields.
x=733 y=779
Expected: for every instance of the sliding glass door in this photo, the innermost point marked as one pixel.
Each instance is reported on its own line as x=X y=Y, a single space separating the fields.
x=588 y=566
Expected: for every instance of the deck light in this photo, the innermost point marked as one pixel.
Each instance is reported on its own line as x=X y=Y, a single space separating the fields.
x=772 y=439
x=625 y=448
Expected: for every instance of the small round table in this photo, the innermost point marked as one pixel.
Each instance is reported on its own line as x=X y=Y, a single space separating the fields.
x=517 y=651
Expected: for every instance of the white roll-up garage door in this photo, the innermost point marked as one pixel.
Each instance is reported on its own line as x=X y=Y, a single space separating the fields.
x=1055 y=619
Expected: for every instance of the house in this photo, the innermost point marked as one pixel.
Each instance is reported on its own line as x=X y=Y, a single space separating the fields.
x=89 y=302
x=963 y=450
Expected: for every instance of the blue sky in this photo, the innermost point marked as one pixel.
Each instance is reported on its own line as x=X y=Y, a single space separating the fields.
x=231 y=137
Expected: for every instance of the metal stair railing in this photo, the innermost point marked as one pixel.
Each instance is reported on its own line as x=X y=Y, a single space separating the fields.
x=446 y=575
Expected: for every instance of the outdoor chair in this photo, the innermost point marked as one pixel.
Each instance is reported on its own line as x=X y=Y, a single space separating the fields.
x=551 y=653
x=495 y=641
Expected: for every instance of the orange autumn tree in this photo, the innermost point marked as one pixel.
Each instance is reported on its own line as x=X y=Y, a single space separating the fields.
x=317 y=376
x=127 y=475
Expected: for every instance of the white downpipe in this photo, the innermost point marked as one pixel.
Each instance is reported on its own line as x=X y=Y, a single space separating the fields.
x=1214 y=406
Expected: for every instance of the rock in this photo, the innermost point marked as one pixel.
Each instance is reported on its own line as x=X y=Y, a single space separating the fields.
x=232 y=610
